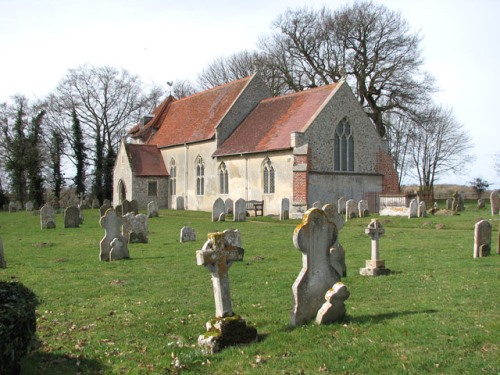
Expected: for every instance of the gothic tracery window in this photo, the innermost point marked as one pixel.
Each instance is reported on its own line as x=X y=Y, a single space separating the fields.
x=268 y=177
x=200 y=176
x=344 y=147
x=223 y=179
x=173 y=177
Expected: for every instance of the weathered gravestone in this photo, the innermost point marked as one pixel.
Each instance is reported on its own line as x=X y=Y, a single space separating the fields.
x=113 y=245
x=12 y=207
x=457 y=204
x=135 y=228
x=413 y=209
x=232 y=237
x=72 y=217
x=314 y=237
x=134 y=205
x=341 y=204
x=495 y=202
x=481 y=204
x=285 y=209
x=240 y=210
x=29 y=206
x=482 y=239
x=351 y=209
x=3 y=263
x=119 y=210
x=363 y=208
x=227 y=328
x=337 y=253
x=375 y=266
x=333 y=310
x=153 y=209
x=187 y=234
x=126 y=207
x=228 y=204
x=179 y=203
x=47 y=217
x=449 y=204
x=96 y=203
x=422 y=209
x=218 y=210
x=104 y=208
x=106 y=202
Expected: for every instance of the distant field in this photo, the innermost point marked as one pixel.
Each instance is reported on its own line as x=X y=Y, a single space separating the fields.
x=437 y=313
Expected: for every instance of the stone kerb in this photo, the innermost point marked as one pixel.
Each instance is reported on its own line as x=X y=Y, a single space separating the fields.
x=482 y=239
x=240 y=210
x=314 y=237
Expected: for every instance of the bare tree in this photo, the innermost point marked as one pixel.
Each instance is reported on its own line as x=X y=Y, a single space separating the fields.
x=183 y=88
x=438 y=145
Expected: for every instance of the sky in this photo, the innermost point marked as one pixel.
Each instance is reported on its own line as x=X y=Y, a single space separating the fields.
x=164 y=40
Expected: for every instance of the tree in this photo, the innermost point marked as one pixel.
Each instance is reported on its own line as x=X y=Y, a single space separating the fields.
x=34 y=160
x=79 y=154
x=56 y=149
x=438 y=144
x=479 y=185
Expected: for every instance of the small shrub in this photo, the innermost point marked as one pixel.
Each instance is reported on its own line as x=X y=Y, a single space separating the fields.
x=17 y=324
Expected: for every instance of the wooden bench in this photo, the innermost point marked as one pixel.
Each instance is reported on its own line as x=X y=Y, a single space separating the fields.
x=256 y=206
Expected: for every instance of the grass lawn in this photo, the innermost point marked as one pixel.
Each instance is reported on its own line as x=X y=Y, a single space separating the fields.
x=438 y=312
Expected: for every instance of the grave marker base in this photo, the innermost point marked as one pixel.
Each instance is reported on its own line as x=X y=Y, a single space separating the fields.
x=224 y=332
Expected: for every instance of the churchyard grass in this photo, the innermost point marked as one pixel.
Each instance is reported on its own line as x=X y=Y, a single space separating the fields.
x=436 y=313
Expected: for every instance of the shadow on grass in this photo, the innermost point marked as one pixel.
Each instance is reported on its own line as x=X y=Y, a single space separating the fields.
x=377 y=318
x=50 y=363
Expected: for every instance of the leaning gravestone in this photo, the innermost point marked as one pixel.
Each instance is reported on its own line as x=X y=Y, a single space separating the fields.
x=482 y=239
x=3 y=263
x=314 y=237
x=135 y=228
x=218 y=209
x=413 y=209
x=153 y=209
x=240 y=210
x=72 y=217
x=285 y=209
x=337 y=253
x=458 y=202
x=495 y=202
x=375 y=266
x=341 y=204
x=351 y=209
x=226 y=329
x=187 y=234
x=47 y=217
x=113 y=245
x=29 y=206
x=422 y=209
x=363 y=209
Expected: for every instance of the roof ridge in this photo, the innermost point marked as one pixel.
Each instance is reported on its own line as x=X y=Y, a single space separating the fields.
x=213 y=89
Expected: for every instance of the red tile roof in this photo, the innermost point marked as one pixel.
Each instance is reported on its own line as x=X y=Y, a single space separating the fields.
x=195 y=118
x=144 y=133
x=146 y=160
x=269 y=126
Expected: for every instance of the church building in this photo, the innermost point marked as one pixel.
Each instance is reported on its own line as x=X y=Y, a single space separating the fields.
x=237 y=141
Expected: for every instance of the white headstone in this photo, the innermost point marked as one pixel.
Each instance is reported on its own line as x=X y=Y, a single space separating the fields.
x=314 y=237
x=112 y=225
x=363 y=208
x=218 y=209
x=240 y=210
x=482 y=239
x=413 y=209
x=351 y=209
x=422 y=209
x=153 y=209
x=47 y=217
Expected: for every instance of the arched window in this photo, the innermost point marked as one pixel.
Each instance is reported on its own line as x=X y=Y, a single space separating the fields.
x=268 y=176
x=200 y=176
x=223 y=179
x=173 y=177
x=344 y=147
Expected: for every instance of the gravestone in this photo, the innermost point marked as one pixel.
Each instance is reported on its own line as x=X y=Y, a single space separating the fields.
x=232 y=237
x=179 y=203
x=333 y=310
x=457 y=204
x=218 y=208
x=134 y=205
x=80 y=214
x=3 y=263
x=375 y=266
x=96 y=203
x=413 y=209
x=153 y=209
x=187 y=234
x=285 y=209
x=341 y=204
x=126 y=207
x=104 y=208
x=482 y=239
x=495 y=202
x=106 y=202
x=481 y=204
x=351 y=209
x=227 y=328
x=363 y=208
x=422 y=209
x=135 y=228
x=228 y=204
x=113 y=245
x=337 y=253
x=12 y=207
x=71 y=217
x=240 y=210
x=47 y=217
x=449 y=204
x=314 y=237
x=119 y=210
x=29 y=206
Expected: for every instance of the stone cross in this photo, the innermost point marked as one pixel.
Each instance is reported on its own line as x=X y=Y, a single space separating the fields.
x=217 y=256
x=112 y=250
x=375 y=231
x=313 y=237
